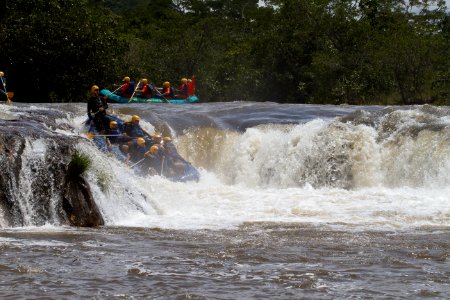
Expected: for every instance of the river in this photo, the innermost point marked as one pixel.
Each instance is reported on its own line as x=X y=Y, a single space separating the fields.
x=294 y=202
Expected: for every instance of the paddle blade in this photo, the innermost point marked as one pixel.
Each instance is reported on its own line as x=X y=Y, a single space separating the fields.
x=10 y=95
x=90 y=135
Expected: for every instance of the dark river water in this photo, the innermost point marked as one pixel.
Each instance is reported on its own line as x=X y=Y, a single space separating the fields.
x=272 y=261
x=293 y=202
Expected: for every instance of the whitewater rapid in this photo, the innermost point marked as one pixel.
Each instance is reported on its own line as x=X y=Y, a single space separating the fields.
x=319 y=172
x=354 y=169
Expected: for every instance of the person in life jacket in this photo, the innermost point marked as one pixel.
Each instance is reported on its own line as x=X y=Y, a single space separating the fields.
x=115 y=136
x=96 y=109
x=137 y=149
x=147 y=89
x=183 y=91
x=154 y=160
x=167 y=91
x=127 y=89
x=191 y=86
x=4 y=94
x=132 y=129
x=121 y=153
x=124 y=154
x=156 y=139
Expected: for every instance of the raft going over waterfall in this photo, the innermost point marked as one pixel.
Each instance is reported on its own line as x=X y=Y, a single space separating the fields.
x=147 y=155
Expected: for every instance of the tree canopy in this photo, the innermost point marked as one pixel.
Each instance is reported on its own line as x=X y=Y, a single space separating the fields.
x=298 y=51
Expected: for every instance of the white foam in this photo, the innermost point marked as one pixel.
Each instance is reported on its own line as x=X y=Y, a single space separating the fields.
x=266 y=175
x=284 y=174
x=214 y=205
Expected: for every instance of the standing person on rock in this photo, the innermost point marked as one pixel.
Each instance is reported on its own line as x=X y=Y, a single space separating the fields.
x=96 y=110
x=3 y=87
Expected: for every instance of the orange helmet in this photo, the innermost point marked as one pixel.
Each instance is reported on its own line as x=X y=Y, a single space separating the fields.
x=113 y=124
x=140 y=141
x=135 y=118
x=94 y=88
x=154 y=149
x=166 y=84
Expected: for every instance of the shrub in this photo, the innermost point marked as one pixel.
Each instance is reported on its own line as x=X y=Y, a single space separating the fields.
x=79 y=164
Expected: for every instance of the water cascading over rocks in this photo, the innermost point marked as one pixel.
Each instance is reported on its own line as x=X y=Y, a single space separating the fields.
x=36 y=186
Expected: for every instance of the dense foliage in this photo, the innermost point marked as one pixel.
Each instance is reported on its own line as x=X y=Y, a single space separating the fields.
x=316 y=51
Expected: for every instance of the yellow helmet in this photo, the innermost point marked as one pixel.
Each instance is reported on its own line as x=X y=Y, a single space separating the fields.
x=154 y=149
x=94 y=88
x=189 y=80
x=113 y=124
x=2 y=74
x=135 y=118
x=156 y=136
x=140 y=141
x=183 y=80
x=126 y=79
x=144 y=81
x=167 y=139
x=166 y=84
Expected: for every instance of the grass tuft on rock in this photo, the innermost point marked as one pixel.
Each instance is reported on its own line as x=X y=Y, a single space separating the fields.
x=79 y=164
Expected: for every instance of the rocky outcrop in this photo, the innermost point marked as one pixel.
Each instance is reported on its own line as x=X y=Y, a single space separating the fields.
x=78 y=203
x=35 y=188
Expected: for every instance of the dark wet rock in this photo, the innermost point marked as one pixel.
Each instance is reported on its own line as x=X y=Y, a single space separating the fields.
x=34 y=186
x=79 y=204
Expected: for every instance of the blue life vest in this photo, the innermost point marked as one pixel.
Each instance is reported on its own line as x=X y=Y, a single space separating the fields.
x=130 y=89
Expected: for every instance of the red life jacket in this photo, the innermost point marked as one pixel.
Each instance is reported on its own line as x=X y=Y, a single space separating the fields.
x=168 y=93
x=127 y=89
x=183 y=91
x=191 y=87
x=147 y=91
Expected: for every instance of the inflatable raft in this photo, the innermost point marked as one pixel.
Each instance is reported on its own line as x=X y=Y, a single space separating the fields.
x=118 y=99
x=183 y=172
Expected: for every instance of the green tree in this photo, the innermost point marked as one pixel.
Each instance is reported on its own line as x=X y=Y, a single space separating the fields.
x=56 y=49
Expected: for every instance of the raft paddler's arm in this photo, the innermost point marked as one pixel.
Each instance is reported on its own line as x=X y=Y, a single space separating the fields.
x=89 y=112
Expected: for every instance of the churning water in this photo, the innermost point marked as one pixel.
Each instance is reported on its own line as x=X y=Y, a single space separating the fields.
x=294 y=201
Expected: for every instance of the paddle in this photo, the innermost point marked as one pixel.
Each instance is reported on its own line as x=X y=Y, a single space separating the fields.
x=117 y=89
x=162 y=165
x=93 y=135
x=159 y=94
x=137 y=163
x=134 y=91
